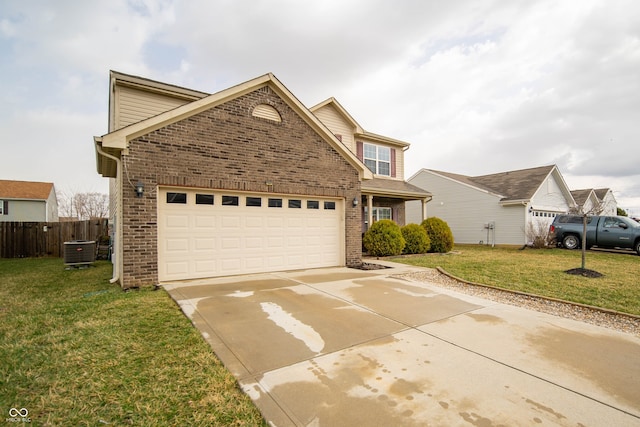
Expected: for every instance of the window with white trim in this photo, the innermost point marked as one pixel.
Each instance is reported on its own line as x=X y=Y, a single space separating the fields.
x=377 y=158
x=379 y=213
x=4 y=207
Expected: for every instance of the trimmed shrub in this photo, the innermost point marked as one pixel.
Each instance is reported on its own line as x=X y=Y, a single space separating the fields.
x=416 y=239
x=439 y=233
x=383 y=238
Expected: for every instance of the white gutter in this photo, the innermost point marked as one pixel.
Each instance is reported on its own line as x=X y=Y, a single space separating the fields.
x=118 y=242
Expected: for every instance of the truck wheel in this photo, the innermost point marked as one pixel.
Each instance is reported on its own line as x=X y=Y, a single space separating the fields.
x=570 y=241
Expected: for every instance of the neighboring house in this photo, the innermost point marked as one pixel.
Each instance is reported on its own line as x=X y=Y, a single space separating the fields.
x=28 y=201
x=586 y=201
x=242 y=181
x=501 y=208
x=608 y=202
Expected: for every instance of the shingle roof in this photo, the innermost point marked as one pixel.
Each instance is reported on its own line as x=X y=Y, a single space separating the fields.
x=511 y=185
x=516 y=185
x=25 y=190
x=581 y=196
x=601 y=192
x=393 y=187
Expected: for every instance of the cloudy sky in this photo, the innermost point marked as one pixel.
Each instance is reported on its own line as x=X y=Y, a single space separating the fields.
x=476 y=87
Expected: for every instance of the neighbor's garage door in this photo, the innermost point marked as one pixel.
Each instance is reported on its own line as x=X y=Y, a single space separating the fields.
x=203 y=233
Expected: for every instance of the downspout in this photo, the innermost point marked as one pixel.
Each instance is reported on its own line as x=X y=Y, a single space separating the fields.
x=119 y=216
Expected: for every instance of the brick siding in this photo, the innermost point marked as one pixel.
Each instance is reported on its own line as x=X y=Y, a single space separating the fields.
x=227 y=148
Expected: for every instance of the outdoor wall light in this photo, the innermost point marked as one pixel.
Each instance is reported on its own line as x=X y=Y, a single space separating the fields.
x=355 y=202
x=139 y=189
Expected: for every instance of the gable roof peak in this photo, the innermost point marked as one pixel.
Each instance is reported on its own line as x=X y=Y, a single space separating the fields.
x=117 y=141
x=341 y=110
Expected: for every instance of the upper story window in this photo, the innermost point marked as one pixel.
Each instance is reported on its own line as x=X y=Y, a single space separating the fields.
x=377 y=158
x=4 y=207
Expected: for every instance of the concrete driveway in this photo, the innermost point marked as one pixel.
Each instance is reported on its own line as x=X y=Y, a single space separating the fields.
x=344 y=347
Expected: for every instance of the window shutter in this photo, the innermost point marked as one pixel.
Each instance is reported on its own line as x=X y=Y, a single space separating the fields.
x=339 y=137
x=5 y=207
x=360 y=150
x=393 y=162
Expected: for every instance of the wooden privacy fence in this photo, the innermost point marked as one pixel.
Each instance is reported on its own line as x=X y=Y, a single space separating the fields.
x=40 y=239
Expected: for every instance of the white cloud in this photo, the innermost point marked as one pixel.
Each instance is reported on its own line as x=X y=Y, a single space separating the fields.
x=476 y=87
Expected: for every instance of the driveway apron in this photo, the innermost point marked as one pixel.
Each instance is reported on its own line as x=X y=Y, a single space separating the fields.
x=344 y=347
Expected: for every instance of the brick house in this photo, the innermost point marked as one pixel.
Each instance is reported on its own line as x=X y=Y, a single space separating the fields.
x=245 y=180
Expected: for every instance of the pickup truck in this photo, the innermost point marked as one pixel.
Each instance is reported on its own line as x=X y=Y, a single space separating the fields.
x=602 y=231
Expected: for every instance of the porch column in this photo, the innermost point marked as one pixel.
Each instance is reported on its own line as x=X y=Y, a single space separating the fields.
x=424 y=209
x=369 y=210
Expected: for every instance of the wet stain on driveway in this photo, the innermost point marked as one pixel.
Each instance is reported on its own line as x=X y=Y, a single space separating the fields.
x=613 y=363
x=336 y=347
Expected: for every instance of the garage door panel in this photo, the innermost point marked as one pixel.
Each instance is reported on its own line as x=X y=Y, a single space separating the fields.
x=275 y=243
x=254 y=221
x=177 y=221
x=205 y=266
x=295 y=222
x=231 y=243
x=275 y=261
x=228 y=266
x=230 y=222
x=205 y=222
x=296 y=259
x=205 y=244
x=295 y=242
x=275 y=219
x=177 y=268
x=253 y=263
x=254 y=242
x=177 y=245
x=217 y=240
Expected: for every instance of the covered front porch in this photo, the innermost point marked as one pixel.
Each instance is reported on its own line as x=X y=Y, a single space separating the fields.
x=385 y=199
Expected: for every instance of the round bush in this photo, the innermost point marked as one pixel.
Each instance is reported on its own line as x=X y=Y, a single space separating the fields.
x=383 y=238
x=439 y=233
x=416 y=239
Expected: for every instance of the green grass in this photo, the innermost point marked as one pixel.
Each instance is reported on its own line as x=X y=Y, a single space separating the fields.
x=76 y=350
x=542 y=272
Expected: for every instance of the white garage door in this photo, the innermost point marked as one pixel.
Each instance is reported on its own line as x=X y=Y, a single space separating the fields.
x=204 y=233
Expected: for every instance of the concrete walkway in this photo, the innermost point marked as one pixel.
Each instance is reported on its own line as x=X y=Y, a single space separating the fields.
x=344 y=347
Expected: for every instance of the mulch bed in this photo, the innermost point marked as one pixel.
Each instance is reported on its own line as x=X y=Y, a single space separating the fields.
x=584 y=272
x=369 y=266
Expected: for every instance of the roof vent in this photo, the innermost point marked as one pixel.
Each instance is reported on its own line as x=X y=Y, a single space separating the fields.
x=265 y=111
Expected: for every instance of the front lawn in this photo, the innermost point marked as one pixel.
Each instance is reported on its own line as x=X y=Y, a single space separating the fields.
x=542 y=272
x=76 y=350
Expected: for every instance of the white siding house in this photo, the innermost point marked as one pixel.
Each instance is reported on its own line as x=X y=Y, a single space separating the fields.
x=503 y=208
x=608 y=202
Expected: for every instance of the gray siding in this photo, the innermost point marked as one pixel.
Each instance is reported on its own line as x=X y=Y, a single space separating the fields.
x=26 y=210
x=467 y=209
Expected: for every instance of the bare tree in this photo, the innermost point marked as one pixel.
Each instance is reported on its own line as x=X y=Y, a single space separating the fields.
x=585 y=214
x=83 y=206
